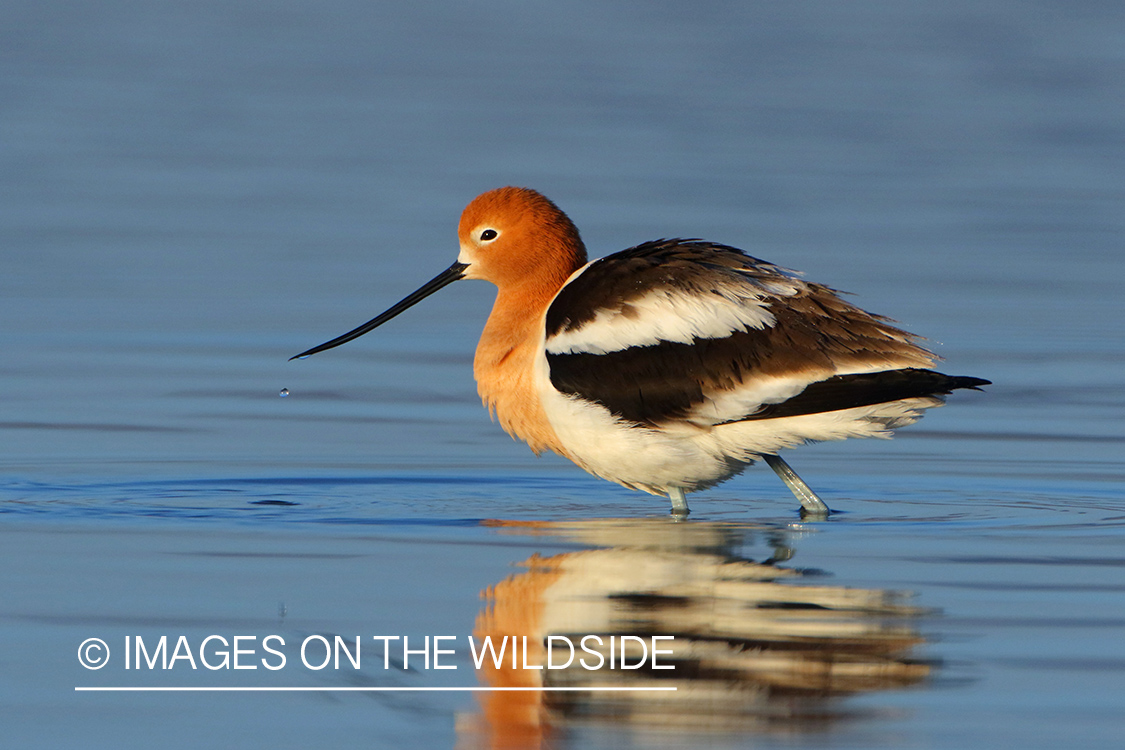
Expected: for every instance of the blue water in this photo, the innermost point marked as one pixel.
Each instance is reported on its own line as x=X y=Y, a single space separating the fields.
x=191 y=195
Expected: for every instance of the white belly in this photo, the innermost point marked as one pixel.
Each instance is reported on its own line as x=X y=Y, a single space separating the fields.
x=695 y=457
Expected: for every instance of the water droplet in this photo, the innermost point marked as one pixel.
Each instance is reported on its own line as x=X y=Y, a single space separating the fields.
x=284 y=392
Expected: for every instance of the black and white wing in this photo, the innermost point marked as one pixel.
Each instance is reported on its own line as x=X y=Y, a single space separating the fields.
x=685 y=330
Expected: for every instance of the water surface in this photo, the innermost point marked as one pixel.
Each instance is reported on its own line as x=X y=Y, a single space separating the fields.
x=191 y=196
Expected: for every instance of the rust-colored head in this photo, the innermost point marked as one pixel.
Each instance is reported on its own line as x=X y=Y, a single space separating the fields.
x=515 y=236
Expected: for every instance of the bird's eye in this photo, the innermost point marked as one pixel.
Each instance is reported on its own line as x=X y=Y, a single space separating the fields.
x=488 y=235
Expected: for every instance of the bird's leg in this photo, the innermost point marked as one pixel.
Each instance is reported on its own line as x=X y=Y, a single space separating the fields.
x=811 y=504
x=679 y=502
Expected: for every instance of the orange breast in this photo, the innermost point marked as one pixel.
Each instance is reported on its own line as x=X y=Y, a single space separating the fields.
x=504 y=369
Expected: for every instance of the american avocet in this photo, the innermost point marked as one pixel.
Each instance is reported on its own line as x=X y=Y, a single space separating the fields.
x=674 y=365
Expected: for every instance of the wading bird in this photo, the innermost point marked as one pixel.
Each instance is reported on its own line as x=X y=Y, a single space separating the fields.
x=674 y=365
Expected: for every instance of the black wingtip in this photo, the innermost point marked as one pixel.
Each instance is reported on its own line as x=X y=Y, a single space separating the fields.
x=865 y=389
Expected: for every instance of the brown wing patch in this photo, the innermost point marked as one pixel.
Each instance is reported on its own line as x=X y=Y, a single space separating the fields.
x=687 y=266
x=815 y=334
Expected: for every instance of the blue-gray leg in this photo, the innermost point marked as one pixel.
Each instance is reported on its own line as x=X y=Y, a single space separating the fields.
x=812 y=504
x=679 y=501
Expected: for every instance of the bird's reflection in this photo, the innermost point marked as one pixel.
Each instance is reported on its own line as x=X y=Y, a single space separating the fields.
x=757 y=646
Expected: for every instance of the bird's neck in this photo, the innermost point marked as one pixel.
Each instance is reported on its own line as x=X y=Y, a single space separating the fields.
x=505 y=366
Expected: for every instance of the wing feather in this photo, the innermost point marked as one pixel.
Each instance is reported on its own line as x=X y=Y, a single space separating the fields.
x=689 y=330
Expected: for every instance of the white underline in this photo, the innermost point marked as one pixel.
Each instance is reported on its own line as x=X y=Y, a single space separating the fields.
x=591 y=689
